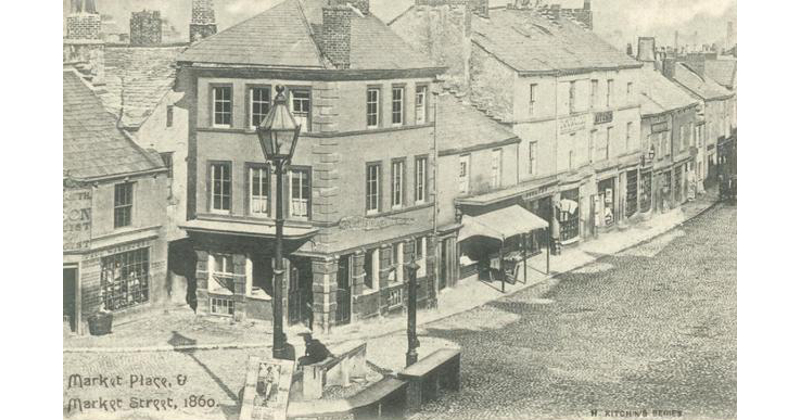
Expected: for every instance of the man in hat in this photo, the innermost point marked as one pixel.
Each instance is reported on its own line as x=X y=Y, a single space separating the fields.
x=315 y=351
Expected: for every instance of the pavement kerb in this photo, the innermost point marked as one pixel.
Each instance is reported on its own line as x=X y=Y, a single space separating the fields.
x=238 y=346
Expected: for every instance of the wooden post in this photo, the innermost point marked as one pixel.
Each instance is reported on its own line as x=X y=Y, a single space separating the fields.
x=549 y=243
x=502 y=267
x=525 y=241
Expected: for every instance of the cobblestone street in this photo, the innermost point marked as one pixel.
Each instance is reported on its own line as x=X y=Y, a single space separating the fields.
x=652 y=328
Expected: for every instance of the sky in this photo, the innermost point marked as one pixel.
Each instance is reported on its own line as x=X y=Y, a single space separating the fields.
x=619 y=21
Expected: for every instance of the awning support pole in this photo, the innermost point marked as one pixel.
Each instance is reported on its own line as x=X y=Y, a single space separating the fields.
x=549 y=242
x=525 y=240
x=502 y=268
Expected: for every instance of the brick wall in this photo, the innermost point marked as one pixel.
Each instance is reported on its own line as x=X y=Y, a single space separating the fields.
x=83 y=26
x=145 y=27
x=336 y=35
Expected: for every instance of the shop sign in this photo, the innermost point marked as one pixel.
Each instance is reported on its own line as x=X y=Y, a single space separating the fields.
x=603 y=117
x=77 y=219
x=266 y=389
x=541 y=191
x=659 y=127
x=371 y=223
x=572 y=124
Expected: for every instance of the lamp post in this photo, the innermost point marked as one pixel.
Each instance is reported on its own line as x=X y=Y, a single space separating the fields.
x=278 y=134
x=413 y=342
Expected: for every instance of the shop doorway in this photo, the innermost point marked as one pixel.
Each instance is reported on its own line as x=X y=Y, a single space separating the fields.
x=300 y=296
x=444 y=263
x=543 y=208
x=344 y=292
x=70 y=297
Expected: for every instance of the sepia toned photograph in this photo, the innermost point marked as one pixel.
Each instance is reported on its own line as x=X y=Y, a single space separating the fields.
x=399 y=209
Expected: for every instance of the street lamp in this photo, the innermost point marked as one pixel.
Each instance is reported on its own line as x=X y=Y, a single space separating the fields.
x=413 y=342
x=278 y=134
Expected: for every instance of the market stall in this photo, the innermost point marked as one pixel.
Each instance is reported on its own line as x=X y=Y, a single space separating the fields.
x=499 y=241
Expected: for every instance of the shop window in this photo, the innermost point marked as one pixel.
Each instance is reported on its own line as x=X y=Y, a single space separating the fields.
x=569 y=215
x=125 y=279
x=632 y=183
x=371 y=267
x=396 y=263
x=607 y=199
x=123 y=204
x=647 y=191
x=222 y=306
x=420 y=251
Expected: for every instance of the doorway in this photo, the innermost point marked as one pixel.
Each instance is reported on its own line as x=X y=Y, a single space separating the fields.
x=300 y=296
x=70 y=309
x=344 y=292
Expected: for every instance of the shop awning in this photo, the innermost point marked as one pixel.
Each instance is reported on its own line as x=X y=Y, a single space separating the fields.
x=257 y=230
x=501 y=224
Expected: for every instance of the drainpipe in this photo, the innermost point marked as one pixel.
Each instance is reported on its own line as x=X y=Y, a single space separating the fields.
x=436 y=245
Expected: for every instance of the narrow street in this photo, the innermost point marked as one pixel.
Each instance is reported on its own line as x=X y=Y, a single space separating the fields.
x=653 y=328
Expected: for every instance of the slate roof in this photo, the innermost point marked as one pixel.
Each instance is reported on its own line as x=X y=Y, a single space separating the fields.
x=93 y=145
x=722 y=72
x=144 y=74
x=284 y=36
x=460 y=126
x=529 y=42
x=702 y=87
x=660 y=95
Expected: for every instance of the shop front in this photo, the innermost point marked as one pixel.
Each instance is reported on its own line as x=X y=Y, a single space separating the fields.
x=631 y=192
x=665 y=190
x=646 y=194
x=605 y=204
x=568 y=216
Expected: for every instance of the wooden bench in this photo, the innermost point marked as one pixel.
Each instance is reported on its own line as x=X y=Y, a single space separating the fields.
x=348 y=361
x=440 y=369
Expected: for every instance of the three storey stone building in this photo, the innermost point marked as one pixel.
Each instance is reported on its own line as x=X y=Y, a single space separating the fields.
x=358 y=198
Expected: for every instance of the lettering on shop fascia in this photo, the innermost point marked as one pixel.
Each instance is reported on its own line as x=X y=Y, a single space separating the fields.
x=369 y=223
x=659 y=127
x=603 y=117
x=119 y=249
x=77 y=219
x=571 y=124
x=541 y=191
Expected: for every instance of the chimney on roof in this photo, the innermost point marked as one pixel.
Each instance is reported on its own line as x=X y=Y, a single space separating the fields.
x=647 y=50
x=668 y=69
x=729 y=36
x=480 y=7
x=204 y=22
x=83 y=42
x=587 y=5
x=677 y=45
x=145 y=27
x=629 y=50
x=555 y=11
x=335 y=38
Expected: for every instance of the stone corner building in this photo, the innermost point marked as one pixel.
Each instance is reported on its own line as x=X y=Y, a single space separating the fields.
x=358 y=194
x=114 y=252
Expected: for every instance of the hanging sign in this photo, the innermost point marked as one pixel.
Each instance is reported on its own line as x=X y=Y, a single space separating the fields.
x=266 y=389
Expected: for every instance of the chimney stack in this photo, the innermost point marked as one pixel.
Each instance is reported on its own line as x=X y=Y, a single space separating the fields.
x=203 y=23
x=677 y=45
x=587 y=5
x=629 y=50
x=335 y=38
x=647 y=49
x=555 y=11
x=729 y=36
x=83 y=42
x=146 y=27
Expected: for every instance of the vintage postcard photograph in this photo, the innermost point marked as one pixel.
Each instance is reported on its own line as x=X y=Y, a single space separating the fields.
x=399 y=209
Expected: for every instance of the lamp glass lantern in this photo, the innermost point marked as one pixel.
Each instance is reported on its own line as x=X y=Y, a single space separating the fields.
x=278 y=131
